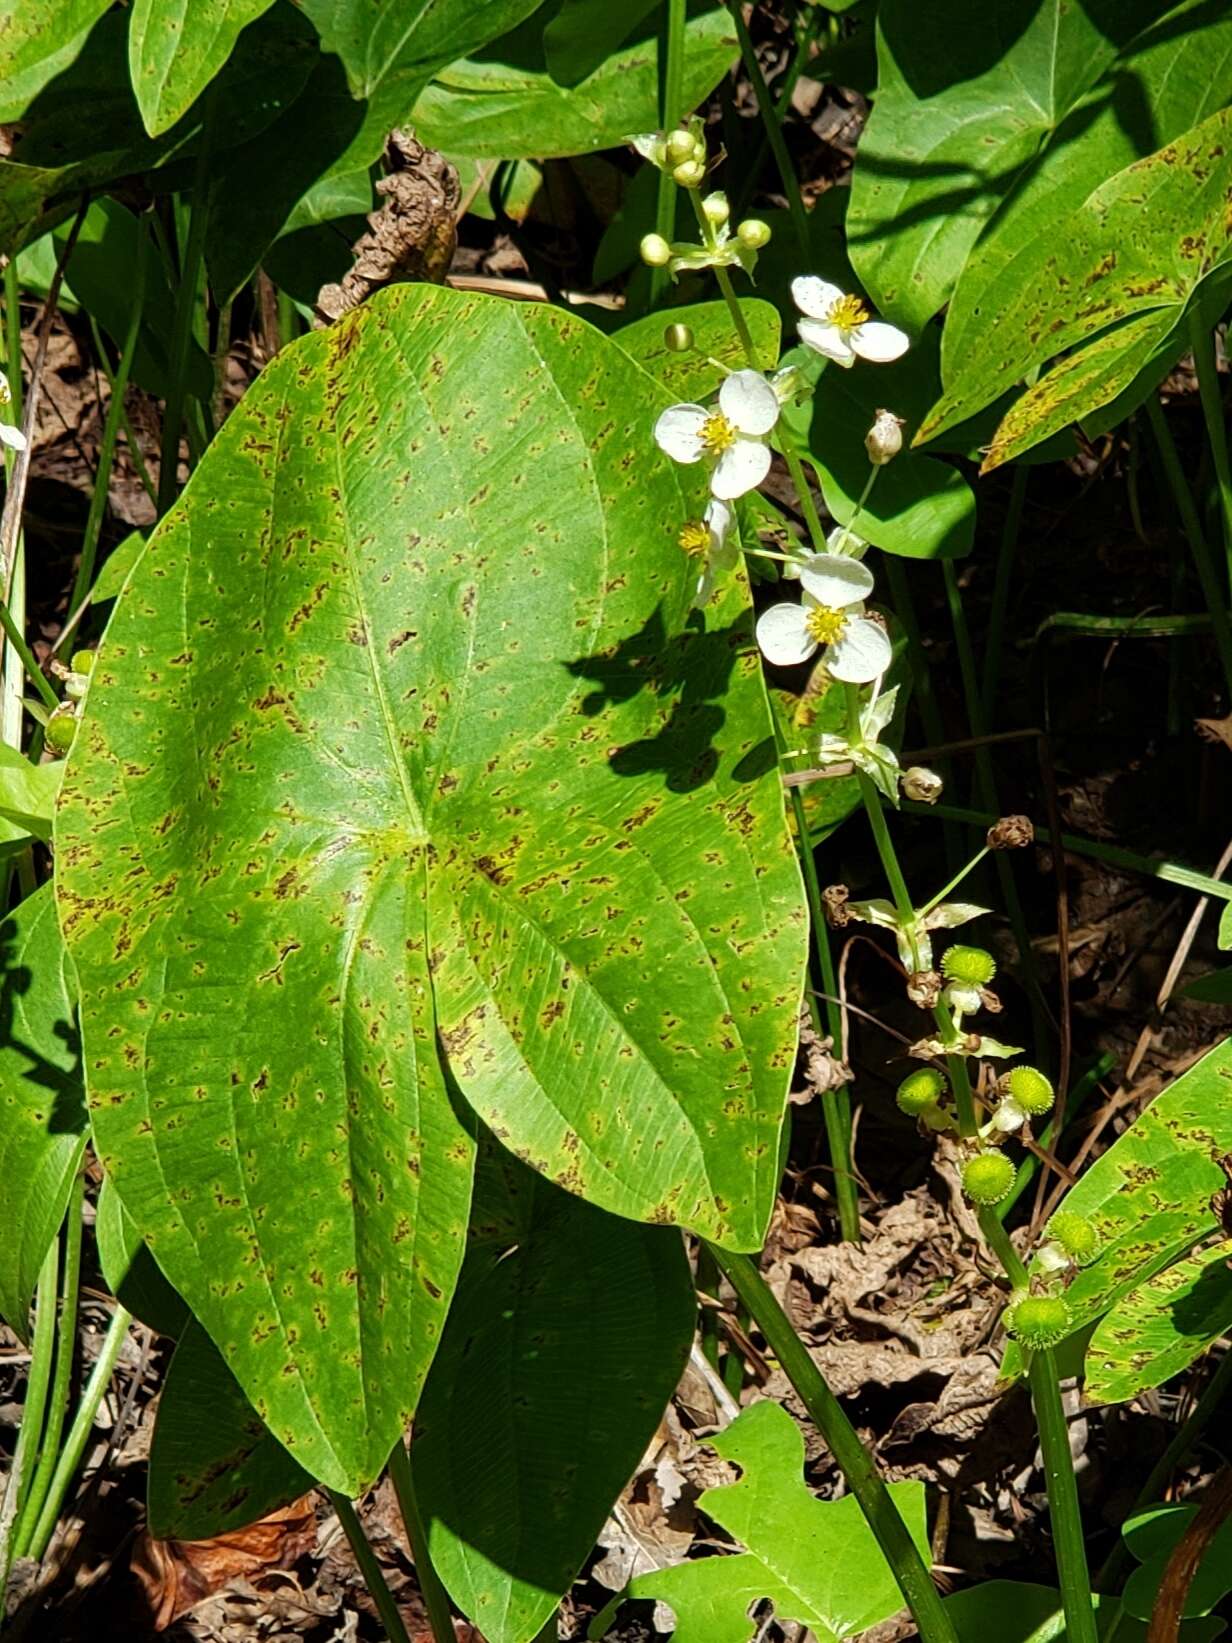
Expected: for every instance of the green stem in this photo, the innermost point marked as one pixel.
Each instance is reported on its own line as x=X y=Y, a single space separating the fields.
x=1069 y=1543
x=863 y=497
x=57 y=1406
x=1204 y=559
x=111 y=428
x=12 y=337
x=994 y=645
x=723 y=279
x=774 y=131
x=1202 y=340
x=378 y=1590
x=998 y=1240
x=935 y=901
x=436 y=1598
x=79 y=1432
x=42 y=1351
x=903 y=904
x=188 y=294
x=808 y=507
x=806 y=33
x=856 y=1464
x=960 y=1082
x=671 y=46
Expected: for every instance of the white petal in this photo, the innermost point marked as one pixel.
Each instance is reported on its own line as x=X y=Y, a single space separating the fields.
x=782 y=633
x=814 y=297
x=12 y=437
x=841 y=540
x=827 y=340
x=835 y=581
x=874 y=340
x=747 y=400
x=678 y=432
x=862 y=654
x=717 y=520
x=742 y=467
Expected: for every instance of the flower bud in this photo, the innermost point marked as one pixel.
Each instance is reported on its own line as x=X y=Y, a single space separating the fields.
x=884 y=439
x=680 y=146
x=60 y=731
x=1076 y=1236
x=920 y=1090
x=753 y=233
x=715 y=208
x=1039 y=1320
x=970 y=965
x=677 y=338
x=690 y=173
x=925 y=786
x=987 y=1178
x=655 y=251
x=1029 y=1089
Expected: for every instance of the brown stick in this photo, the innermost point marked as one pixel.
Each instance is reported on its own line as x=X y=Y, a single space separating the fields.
x=1187 y=1555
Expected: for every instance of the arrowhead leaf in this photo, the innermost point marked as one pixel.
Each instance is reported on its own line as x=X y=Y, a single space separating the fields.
x=400 y=776
x=176 y=47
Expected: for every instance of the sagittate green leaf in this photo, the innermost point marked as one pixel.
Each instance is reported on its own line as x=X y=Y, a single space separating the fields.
x=504 y=102
x=960 y=111
x=42 y=1110
x=817 y=1561
x=563 y=1345
x=1159 y=1328
x=1134 y=253
x=214 y=1465
x=405 y=773
x=176 y=47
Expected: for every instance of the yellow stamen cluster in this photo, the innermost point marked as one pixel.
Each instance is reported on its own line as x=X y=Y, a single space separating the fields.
x=847 y=313
x=825 y=624
x=694 y=538
x=718 y=434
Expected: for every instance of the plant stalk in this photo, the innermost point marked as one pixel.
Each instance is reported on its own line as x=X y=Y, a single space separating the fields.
x=431 y=1587
x=188 y=293
x=857 y=1465
x=1069 y=1543
x=671 y=48
x=1202 y=341
x=773 y=129
x=31 y=1429
x=378 y=1590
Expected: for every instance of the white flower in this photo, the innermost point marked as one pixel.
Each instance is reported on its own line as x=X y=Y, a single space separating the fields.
x=731 y=435
x=9 y=435
x=706 y=539
x=914 y=940
x=830 y=614
x=841 y=327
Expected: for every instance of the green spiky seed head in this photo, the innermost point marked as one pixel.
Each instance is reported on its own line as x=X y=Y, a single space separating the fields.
x=83 y=661
x=1039 y=1320
x=987 y=1178
x=920 y=1090
x=1076 y=1236
x=1030 y=1089
x=61 y=728
x=971 y=966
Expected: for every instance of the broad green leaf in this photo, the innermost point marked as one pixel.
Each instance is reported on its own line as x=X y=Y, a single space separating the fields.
x=1017 y=1611
x=111 y=579
x=1152 y=1537
x=176 y=47
x=1173 y=76
x=1136 y=250
x=582 y=34
x=1159 y=1328
x=28 y=792
x=503 y=103
x=214 y=1465
x=817 y=1561
x=34 y=32
x=131 y=1272
x=428 y=750
x=1149 y=1195
x=691 y=376
x=42 y=1113
x=561 y=1351
x=390 y=51
x=961 y=109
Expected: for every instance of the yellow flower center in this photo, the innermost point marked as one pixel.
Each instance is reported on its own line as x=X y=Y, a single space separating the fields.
x=847 y=313
x=718 y=434
x=826 y=624
x=694 y=538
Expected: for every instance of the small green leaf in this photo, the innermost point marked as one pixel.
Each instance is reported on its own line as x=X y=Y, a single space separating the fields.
x=28 y=792
x=42 y=1111
x=214 y=1464
x=503 y=102
x=1152 y=1538
x=1160 y=1327
x=176 y=47
x=560 y=1353
x=817 y=1561
x=132 y=1273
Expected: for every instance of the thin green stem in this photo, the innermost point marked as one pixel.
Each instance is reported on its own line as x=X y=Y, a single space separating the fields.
x=773 y=128
x=806 y=32
x=1202 y=340
x=12 y=337
x=723 y=279
x=671 y=45
x=66 y=1342
x=188 y=295
x=998 y=1240
x=436 y=1598
x=34 y=672
x=79 y=1432
x=1204 y=559
x=935 y=901
x=994 y=645
x=960 y=1081
x=134 y=449
x=903 y=904
x=808 y=507
x=378 y=1590
x=849 y=528
x=856 y=1464
x=111 y=427
x=29 y=1433
x=1068 y=1539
